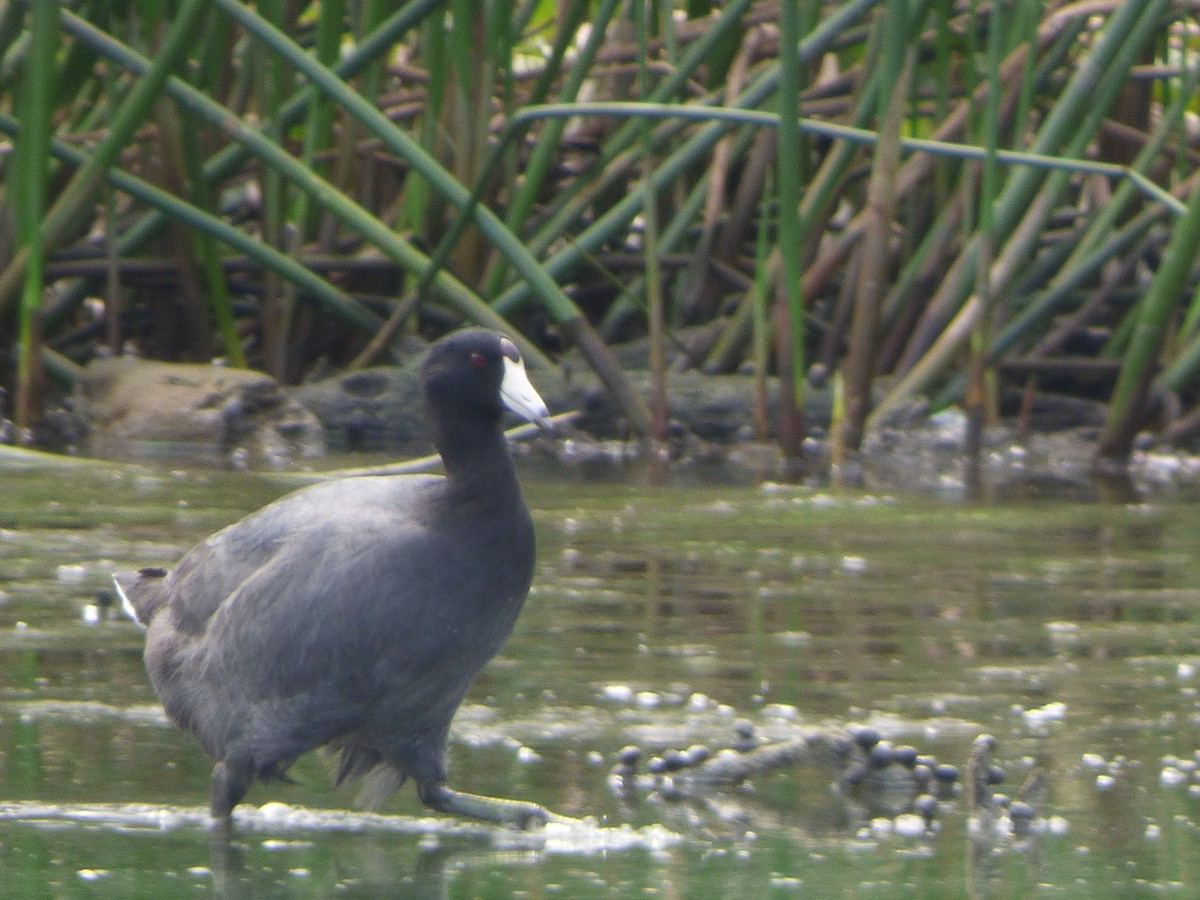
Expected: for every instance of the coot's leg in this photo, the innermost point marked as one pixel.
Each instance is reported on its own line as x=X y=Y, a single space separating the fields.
x=436 y=795
x=231 y=778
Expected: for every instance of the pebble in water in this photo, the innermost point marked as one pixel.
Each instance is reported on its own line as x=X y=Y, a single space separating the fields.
x=865 y=736
x=746 y=739
x=882 y=754
x=1171 y=776
x=926 y=806
x=1177 y=770
x=921 y=774
x=945 y=772
x=945 y=781
x=668 y=789
x=1093 y=761
x=912 y=787
x=910 y=825
x=618 y=693
x=628 y=759
x=1022 y=815
x=853 y=775
x=674 y=760
x=623 y=776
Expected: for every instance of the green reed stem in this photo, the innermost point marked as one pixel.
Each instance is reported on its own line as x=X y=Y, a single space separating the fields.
x=37 y=89
x=81 y=192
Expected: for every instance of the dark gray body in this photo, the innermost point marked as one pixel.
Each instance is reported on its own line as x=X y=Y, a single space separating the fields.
x=354 y=613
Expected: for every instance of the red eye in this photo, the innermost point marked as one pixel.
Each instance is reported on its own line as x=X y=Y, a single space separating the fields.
x=478 y=360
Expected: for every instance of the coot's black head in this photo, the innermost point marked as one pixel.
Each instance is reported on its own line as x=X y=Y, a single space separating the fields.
x=475 y=375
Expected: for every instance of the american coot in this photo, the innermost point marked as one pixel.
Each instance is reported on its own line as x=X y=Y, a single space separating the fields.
x=356 y=613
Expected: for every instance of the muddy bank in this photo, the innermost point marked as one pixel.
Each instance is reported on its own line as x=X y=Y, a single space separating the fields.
x=129 y=408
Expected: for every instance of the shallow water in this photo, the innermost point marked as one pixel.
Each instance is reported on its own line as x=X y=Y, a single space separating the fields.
x=1070 y=631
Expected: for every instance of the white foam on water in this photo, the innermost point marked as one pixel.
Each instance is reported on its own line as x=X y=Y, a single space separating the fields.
x=560 y=836
x=87 y=711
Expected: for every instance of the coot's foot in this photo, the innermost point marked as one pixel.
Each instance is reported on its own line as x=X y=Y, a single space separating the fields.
x=488 y=809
